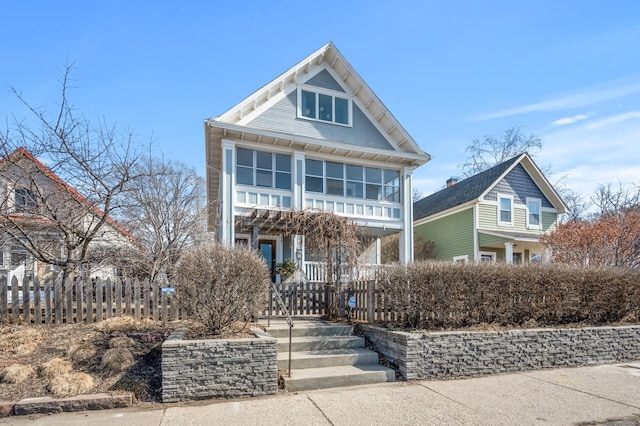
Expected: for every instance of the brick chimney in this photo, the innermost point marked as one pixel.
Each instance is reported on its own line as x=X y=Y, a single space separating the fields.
x=451 y=181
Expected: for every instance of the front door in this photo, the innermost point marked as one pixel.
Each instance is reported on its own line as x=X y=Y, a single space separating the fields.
x=268 y=251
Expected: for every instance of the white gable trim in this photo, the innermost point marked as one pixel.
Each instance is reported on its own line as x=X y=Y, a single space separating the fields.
x=327 y=57
x=537 y=177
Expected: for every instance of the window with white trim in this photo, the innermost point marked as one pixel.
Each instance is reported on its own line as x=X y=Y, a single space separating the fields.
x=347 y=180
x=461 y=259
x=24 y=200
x=264 y=169
x=487 y=256
x=324 y=106
x=533 y=213
x=505 y=210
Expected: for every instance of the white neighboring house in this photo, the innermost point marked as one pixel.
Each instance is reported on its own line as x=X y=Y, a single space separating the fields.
x=315 y=137
x=19 y=202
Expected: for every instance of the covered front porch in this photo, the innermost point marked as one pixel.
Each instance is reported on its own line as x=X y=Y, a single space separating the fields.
x=510 y=247
x=278 y=238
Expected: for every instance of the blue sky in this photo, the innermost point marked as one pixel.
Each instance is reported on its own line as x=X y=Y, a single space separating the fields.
x=450 y=71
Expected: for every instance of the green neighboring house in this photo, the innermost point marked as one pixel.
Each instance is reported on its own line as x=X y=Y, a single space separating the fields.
x=496 y=215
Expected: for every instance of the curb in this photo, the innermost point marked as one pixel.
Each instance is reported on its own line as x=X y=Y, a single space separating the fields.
x=48 y=405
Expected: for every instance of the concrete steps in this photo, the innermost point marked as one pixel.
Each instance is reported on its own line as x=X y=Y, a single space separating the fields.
x=326 y=355
x=318 y=343
x=337 y=376
x=326 y=358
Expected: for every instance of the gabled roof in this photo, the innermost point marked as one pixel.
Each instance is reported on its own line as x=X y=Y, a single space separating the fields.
x=474 y=188
x=23 y=152
x=326 y=58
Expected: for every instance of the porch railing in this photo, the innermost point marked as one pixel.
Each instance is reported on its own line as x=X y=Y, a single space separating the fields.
x=317 y=272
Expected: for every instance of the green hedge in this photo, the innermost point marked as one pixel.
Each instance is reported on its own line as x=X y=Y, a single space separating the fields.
x=436 y=295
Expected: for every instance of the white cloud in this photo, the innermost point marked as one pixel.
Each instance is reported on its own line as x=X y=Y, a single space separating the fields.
x=589 y=155
x=585 y=97
x=614 y=120
x=571 y=120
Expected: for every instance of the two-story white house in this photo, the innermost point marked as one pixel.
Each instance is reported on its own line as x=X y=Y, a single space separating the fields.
x=315 y=137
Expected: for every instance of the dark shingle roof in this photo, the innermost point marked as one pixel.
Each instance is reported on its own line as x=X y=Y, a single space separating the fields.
x=462 y=192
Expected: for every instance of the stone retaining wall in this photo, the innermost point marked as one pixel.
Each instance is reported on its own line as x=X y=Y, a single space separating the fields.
x=471 y=353
x=219 y=368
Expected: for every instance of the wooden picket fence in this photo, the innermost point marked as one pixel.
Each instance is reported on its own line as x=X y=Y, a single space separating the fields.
x=87 y=301
x=312 y=298
x=84 y=300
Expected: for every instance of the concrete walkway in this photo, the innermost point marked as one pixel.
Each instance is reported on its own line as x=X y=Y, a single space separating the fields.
x=607 y=394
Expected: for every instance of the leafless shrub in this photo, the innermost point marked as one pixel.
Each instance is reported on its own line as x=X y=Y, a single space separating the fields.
x=17 y=373
x=71 y=384
x=121 y=342
x=422 y=249
x=54 y=368
x=219 y=285
x=117 y=359
x=82 y=352
x=436 y=295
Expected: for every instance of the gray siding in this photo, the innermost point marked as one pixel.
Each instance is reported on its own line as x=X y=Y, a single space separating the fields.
x=323 y=79
x=282 y=117
x=519 y=184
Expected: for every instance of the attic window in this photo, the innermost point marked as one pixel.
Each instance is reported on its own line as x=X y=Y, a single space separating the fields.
x=324 y=106
x=24 y=200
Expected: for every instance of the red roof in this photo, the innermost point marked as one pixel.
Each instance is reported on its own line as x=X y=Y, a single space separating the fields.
x=21 y=151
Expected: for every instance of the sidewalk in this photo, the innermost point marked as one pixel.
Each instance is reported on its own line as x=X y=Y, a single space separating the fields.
x=607 y=394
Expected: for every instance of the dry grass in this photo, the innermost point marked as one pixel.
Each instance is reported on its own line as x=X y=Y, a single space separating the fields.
x=82 y=352
x=25 y=349
x=71 y=384
x=121 y=342
x=123 y=324
x=17 y=373
x=54 y=368
x=52 y=351
x=117 y=359
x=14 y=337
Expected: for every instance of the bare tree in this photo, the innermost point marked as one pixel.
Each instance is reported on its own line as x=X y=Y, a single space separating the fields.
x=165 y=211
x=576 y=204
x=485 y=153
x=62 y=178
x=615 y=201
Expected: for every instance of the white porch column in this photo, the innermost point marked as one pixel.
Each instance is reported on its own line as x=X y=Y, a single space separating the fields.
x=227 y=231
x=298 y=179
x=406 y=235
x=508 y=248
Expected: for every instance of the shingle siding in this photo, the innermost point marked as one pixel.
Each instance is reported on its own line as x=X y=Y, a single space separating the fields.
x=282 y=117
x=519 y=184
